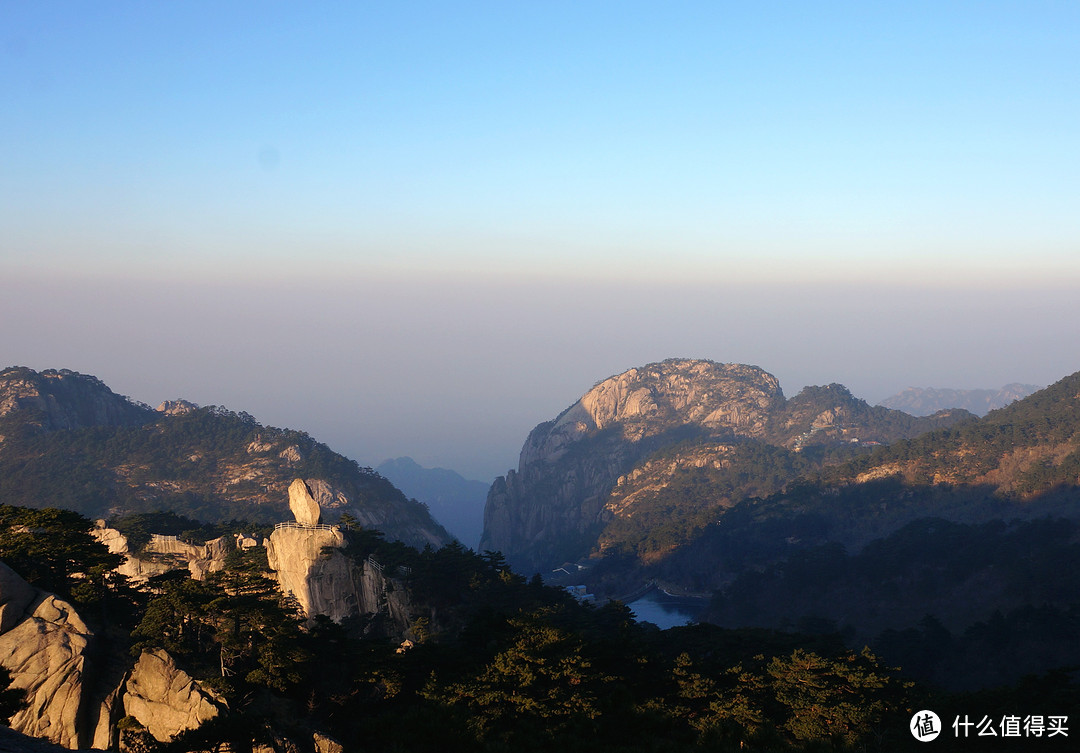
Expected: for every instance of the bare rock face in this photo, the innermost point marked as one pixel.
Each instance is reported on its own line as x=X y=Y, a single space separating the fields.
x=550 y=509
x=15 y=596
x=303 y=505
x=202 y=559
x=164 y=698
x=321 y=584
x=45 y=646
x=177 y=407
x=46 y=656
x=325 y=581
x=163 y=553
x=324 y=744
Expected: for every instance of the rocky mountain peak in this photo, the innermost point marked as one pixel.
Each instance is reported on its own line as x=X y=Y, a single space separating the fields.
x=646 y=401
x=177 y=407
x=53 y=400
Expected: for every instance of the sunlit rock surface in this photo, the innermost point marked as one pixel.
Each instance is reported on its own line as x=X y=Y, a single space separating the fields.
x=164 y=698
x=303 y=505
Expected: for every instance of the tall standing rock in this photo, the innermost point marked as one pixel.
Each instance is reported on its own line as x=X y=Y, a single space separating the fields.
x=303 y=505
x=310 y=566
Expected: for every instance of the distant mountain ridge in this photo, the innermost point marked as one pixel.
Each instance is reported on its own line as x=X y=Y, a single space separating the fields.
x=455 y=501
x=923 y=401
x=68 y=441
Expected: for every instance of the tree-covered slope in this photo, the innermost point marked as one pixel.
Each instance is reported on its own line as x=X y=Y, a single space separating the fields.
x=1024 y=449
x=962 y=538
x=207 y=463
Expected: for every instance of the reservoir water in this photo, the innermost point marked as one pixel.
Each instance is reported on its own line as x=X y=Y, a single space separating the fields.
x=666 y=611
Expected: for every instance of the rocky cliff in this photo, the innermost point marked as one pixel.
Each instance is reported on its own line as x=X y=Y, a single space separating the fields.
x=646 y=458
x=165 y=553
x=45 y=650
x=310 y=566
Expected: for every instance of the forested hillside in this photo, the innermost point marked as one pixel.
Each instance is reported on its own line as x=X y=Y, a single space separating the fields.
x=513 y=664
x=208 y=463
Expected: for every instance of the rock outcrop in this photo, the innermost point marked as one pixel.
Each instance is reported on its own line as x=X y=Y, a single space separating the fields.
x=164 y=553
x=164 y=699
x=321 y=582
x=177 y=407
x=309 y=566
x=46 y=653
x=51 y=655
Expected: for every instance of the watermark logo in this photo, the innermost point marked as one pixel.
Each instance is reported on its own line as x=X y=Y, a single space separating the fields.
x=925 y=726
x=1010 y=725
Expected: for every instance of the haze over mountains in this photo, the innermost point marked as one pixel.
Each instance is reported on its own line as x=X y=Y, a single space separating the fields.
x=455 y=501
x=922 y=401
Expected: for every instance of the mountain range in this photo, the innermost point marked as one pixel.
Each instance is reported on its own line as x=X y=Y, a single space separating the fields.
x=923 y=401
x=455 y=501
x=806 y=528
x=947 y=542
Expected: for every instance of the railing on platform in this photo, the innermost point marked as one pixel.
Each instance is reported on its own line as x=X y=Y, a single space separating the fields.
x=306 y=526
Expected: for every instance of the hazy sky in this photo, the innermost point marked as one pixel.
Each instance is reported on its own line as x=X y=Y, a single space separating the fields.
x=422 y=228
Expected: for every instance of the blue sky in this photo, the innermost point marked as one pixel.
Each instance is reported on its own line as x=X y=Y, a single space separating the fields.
x=498 y=194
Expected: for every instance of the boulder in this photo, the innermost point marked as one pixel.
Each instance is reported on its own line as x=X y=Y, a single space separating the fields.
x=303 y=505
x=46 y=656
x=165 y=699
x=324 y=744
